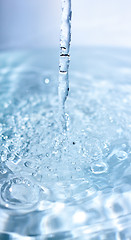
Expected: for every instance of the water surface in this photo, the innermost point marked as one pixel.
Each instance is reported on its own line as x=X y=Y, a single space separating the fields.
x=76 y=186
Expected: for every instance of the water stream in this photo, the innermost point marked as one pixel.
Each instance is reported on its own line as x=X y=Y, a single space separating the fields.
x=65 y=39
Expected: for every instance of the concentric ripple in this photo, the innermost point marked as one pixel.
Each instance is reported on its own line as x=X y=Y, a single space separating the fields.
x=75 y=185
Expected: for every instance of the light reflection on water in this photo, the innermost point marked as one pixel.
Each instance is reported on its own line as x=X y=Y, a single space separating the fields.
x=75 y=186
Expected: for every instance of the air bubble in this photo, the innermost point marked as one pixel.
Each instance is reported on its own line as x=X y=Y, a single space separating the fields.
x=121 y=155
x=19 y=192
x=99 y=168
x=31 y=165
x=124 y=146
x=37 y=176
x=47 y=80
x=91 y=149
x=3 y=170
x=27 y=164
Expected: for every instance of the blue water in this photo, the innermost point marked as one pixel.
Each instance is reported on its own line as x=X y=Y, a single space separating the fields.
x=71 y=186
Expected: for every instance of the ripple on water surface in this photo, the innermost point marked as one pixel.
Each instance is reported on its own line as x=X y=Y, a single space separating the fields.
x=19 y=192
x=83 y=175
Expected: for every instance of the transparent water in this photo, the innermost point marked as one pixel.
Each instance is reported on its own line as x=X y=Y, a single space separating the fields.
x=65 y=39
x=71 y=186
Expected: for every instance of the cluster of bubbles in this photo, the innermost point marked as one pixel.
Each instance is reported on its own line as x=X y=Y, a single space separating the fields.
x=79 y=173
x=95 y=146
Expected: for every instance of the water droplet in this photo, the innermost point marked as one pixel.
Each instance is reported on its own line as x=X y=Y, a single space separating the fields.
x=47 y=80
x=31 y=165
x=37 y=176
x=27 y=164
x=16 y=159
x=123 y=145
x=121 y=155
x=3 y=170
x=91 y=149
x=99 y=168
x=6 y=105
x=78 y=169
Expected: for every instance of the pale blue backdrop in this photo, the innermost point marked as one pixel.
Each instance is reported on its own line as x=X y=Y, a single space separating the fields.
x=36 y=23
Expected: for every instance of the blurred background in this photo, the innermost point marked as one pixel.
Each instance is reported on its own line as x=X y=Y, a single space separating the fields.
x=36 y=23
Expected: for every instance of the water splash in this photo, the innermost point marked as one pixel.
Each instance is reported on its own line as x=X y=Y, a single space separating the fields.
x=45 y=180
x=65 y=39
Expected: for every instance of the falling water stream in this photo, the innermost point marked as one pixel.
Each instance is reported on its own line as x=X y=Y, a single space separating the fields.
x=65 y=39
x=54 y=187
